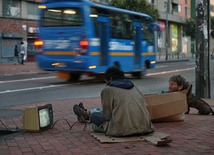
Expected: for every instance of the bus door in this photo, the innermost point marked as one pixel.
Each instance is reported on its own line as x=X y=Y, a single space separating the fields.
x=103 y=32
x=137 y=43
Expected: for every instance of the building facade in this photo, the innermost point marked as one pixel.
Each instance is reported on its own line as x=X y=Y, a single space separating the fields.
x=212 y=8
x=18 y=22
x=173 y=15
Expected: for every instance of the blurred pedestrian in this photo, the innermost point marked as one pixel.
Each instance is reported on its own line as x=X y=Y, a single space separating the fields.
x=22 y=52
x=16 y=55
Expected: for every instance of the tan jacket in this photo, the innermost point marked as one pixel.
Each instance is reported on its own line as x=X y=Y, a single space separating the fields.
x=126 y=111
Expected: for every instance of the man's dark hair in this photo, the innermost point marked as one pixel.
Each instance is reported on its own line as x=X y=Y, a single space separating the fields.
x=180 y=81
x=113 y=73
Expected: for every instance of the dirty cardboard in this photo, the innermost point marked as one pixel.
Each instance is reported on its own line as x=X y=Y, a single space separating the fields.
x=166 y=107
x=155 y=138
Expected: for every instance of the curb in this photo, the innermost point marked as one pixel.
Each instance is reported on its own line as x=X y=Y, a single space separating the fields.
x=166 y=61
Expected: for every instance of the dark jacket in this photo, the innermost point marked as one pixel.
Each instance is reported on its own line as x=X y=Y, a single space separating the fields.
x=16 y=52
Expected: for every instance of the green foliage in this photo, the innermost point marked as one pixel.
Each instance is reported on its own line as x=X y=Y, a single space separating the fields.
x=190 y=27
x=136 y=5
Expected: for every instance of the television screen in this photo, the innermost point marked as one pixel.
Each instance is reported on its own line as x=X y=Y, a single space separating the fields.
x=44 y=117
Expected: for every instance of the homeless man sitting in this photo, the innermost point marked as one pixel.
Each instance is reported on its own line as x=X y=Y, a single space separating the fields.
x=123 y=111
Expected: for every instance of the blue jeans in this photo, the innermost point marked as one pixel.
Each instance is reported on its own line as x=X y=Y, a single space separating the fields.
x=97 y=120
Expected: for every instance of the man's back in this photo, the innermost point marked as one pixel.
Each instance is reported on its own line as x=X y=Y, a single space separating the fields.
x=126 y=111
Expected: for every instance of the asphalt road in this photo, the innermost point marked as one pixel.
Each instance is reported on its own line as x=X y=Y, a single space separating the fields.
x=38 y=88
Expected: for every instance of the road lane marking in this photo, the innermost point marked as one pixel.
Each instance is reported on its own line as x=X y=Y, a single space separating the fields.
x=163 y=66
x=31 y=79
x=33 y=88
x=166 y=72
x=53 y=86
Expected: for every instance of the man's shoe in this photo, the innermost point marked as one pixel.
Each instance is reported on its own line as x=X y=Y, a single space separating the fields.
x=81 y=113
x=82 y=106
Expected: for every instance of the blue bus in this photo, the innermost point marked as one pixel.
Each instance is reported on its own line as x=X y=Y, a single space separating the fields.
x=79 y=37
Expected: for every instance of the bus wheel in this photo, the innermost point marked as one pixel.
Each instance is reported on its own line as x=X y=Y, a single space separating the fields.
x=74 y=76
x=140 y=74
x=63 y=75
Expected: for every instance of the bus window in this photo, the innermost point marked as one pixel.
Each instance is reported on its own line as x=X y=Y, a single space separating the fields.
x=147 y=35
x=121 y=26
x=93 y=16
x=62 y=17
x=129 y=29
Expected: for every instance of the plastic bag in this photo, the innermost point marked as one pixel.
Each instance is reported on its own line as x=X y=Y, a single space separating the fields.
x=25 y=57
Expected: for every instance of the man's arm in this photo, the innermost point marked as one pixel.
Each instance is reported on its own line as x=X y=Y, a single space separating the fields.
x=107 y=102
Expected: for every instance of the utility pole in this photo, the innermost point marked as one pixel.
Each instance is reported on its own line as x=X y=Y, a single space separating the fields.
x=166 y=30
x=202 y=48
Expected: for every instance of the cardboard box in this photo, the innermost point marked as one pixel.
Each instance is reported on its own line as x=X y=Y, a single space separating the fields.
x=166 y=107
x=174 y=118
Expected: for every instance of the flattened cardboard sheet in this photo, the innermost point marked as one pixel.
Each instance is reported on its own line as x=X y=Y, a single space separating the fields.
x=155 y=138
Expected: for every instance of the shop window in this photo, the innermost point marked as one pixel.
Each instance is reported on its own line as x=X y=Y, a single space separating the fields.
x=32 y=11
x=11 y=8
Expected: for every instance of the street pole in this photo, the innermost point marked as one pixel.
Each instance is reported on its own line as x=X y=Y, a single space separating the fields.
x=167 y=27
x=202 y=49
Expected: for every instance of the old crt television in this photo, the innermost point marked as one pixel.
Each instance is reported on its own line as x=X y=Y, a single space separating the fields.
x=38 y=118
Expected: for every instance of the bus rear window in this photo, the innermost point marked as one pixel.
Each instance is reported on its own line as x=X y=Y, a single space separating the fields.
x=62 y=17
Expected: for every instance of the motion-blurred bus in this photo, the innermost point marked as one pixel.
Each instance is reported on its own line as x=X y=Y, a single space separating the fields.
x=83 y=37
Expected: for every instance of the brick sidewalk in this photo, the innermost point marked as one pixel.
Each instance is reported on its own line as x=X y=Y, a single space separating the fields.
x=27 y=68
x=192 y=136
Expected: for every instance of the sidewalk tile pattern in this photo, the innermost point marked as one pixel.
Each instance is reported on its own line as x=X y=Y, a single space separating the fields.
x=192 y=136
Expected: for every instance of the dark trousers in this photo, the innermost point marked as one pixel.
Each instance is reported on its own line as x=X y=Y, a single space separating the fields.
x=22 y=58
x=97 y=119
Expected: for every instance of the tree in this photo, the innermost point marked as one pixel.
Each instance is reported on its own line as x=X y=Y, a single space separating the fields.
x=136 y=5
x=190 y=27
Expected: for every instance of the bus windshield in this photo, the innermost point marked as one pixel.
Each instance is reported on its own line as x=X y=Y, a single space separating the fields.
x=62 y=17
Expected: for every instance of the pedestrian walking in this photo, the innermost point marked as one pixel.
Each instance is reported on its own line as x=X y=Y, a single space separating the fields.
x=16 y=55
x=22 y=52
